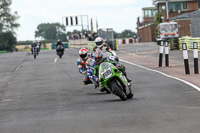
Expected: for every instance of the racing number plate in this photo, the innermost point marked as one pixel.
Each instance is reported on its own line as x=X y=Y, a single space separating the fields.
x=107 y=74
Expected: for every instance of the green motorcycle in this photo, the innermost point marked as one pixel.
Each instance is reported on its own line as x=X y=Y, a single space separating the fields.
x=113 y=81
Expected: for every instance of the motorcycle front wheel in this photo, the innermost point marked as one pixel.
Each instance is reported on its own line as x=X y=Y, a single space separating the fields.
x=118 y=91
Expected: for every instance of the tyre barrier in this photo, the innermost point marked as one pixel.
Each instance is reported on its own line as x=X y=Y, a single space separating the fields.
x=189 y=42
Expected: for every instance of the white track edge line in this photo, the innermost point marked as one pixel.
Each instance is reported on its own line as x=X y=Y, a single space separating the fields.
x=184 y=81
x=16 y=70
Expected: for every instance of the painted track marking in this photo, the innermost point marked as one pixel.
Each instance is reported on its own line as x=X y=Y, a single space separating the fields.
x=55 y=60
x=186 y=82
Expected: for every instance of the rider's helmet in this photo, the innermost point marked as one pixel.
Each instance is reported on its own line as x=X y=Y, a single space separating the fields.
x=38 y=41
x=83 y=53
x=58 y=41
x=99 y=42
x=98 y=56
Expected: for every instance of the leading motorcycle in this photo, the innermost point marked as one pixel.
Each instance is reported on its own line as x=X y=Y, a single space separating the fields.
x=114 y=81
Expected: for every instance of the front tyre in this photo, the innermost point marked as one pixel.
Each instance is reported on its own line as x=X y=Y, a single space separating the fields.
x=60 y=54
x=118 y=91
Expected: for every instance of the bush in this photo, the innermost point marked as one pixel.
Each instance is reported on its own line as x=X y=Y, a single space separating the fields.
x=7 y=41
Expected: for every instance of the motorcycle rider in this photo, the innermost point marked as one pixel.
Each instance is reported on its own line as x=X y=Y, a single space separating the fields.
x=39 y=45
x=98 y=56
x=100 y=45
x=33 y=45
x=81 y=63
x=59 y=43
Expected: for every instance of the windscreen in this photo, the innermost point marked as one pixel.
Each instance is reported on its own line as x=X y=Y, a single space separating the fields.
x=104 y=66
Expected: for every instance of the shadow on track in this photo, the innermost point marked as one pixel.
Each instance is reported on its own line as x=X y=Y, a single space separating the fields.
x=97 y=93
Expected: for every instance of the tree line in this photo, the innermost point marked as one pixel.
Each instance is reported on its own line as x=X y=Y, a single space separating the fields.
x=7 y=26
x=54 y=31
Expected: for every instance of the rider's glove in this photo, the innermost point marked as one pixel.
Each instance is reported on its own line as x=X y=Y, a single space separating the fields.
x=84 y=72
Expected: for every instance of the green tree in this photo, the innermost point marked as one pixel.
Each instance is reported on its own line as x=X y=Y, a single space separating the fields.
x=8 y=25
x=51 y=31
x=7 y=19
x=157 y=22
x=127 y=34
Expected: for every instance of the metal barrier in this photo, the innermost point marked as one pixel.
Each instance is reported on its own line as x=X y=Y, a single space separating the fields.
x=53 y=45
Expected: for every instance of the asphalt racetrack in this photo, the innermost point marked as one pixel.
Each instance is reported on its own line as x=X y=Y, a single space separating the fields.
x=46 y=95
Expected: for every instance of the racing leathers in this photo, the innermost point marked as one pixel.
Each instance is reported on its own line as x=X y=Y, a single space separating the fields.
x=106 y=48
x=112 y=61
x=83 y=70
x=33 y=45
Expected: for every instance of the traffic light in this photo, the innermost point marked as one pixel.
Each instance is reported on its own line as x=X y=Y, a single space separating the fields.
x=66 y=20
x=76 y=20
x=71 y=21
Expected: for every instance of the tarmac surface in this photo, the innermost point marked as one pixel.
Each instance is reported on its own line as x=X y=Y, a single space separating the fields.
x=147 y=55
x=46 y=95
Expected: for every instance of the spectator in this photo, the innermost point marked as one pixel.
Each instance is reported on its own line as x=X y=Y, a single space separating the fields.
x=139 y=39
x=80 y=35
x=90 y=38
x=86 y=35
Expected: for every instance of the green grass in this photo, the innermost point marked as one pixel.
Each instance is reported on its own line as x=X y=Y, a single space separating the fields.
x=3 y=51
x=44 y=48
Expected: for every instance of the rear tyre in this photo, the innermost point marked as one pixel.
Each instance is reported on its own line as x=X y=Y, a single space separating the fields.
x=34 y=56
x=118 y=91
x=60 y=54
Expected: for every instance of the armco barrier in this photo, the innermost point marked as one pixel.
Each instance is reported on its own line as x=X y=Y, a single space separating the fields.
x=127 y=41
x=130 y=40
x=119 y=41
x=123 y=41
x=53 y=45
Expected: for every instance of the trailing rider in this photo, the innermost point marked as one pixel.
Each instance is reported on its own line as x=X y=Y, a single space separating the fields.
x=81 y=63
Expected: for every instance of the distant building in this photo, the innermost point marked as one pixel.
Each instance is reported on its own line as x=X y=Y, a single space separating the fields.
x=149 y=14
x=178 y=10
x=146 y=28
x=177 y=7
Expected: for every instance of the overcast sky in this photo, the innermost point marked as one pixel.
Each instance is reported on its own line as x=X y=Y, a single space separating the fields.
x=116 y=14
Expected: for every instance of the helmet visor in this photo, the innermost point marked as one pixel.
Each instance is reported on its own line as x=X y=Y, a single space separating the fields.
x=98 y=43
x=83 y=55
x=98 y=60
